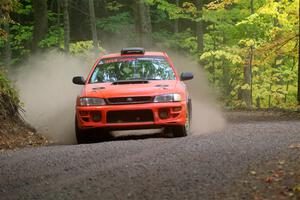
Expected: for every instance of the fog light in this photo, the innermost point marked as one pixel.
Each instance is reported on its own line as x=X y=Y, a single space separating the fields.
x=83 y=113
x=175 y=115
x=96 y=116
x=86 y=119
x=163 y=114
x=176 y=109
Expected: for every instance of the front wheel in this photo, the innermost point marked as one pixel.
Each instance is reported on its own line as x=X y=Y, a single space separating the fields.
x=182 y=131
x=91 y=135
x=179 y=131
x=82 y=136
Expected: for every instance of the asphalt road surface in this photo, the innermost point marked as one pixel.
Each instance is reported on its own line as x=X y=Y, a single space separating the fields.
x=200 y=166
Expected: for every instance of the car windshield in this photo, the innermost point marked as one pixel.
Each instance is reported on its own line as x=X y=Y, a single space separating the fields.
x=132 y=68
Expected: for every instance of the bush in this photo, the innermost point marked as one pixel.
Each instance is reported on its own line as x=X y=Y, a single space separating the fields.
x=9 y=98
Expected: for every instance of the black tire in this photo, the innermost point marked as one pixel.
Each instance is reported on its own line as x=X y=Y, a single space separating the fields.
x=82 y=136
x=101 y=135
x=182 y=131
x=179 y=131
x=190 y=110
x=91 y=135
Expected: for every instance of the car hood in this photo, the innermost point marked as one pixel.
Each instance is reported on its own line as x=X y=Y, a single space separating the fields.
x=109 y=90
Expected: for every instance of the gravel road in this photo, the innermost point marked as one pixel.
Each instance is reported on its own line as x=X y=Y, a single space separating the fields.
x=200 y=166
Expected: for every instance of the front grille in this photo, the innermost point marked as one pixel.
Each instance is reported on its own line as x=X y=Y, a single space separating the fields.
x=129 y=100
x=125 y=116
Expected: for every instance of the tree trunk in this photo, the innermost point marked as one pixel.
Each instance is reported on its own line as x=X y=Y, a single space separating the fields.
x=146 y=26
x=225 y=75
x=250 y=71
x=176 y=21
x=143 y=23
x=258 y=103
x=288 y=82
x=213 y=71
x=298 y=96
x=247 y=80
x=40 y=14
x=225 y=79
x=93 y=24
x=199 y=27
x=247 y=93
x=137 y=23
x=58 y=12
x=66 y=27
x=270 y=90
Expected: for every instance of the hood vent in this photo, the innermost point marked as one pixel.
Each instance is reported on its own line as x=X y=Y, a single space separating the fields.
x=98 y=88
x=161 y=86
x=124 y=82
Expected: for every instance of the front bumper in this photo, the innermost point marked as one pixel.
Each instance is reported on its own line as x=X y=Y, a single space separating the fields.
x=176 y=115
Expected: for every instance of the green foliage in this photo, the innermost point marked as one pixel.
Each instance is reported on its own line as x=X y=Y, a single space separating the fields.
x=120 y=23
x=172 y=10
x=81 y=47
x=113 y=6
x=19 y=37
x=272 y=32
x=221 y=55
x=54 y=38
x=182 y=40
x=9 y=98
x=85 y=49
x=234 y=38
x=23 y=9
x=20 y=40
x=186 y=11
x=6 y=6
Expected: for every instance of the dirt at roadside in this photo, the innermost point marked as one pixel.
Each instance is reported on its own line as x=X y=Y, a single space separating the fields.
x=14 y=133
x=277 y=179
x=236 y=116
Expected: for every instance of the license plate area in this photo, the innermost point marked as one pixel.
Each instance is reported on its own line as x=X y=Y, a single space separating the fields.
x=127 y=116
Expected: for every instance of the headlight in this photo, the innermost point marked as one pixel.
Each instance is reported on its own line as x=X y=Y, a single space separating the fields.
x=85 y=101
x=167 y=98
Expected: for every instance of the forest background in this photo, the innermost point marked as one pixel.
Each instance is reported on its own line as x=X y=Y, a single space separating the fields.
x=249 y=49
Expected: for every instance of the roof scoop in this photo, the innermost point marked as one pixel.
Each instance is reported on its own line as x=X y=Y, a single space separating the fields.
x=132 y=50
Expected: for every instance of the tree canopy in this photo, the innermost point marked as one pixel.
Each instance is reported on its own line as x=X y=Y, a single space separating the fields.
x=249 y=49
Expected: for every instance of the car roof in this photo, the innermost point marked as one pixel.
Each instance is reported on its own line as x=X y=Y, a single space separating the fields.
x=147 y=53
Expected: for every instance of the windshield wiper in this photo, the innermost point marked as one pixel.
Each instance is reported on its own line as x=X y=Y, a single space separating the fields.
x=137 y=81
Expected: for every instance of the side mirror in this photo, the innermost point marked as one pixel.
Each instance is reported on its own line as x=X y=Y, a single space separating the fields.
x=186 y=76
x=78 y=80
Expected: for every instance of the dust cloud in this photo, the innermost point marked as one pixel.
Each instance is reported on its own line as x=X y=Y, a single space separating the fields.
x=207 y=116
x=48 y=95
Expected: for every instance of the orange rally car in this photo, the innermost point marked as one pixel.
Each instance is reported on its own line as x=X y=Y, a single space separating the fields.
x=133 y=89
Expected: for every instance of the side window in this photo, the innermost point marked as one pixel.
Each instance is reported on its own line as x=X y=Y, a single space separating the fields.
x=94 y=78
